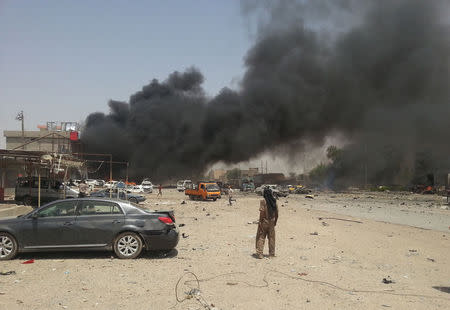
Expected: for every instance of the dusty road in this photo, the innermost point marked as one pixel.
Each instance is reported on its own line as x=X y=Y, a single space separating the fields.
x=321 y=263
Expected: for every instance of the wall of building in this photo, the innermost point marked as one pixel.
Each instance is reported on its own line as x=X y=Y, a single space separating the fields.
x=59 y=143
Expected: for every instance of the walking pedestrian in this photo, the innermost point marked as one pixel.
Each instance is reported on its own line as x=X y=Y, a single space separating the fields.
x=159 y=190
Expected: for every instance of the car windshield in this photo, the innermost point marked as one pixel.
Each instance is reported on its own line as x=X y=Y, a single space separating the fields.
x=146 y=183
x=212 y=188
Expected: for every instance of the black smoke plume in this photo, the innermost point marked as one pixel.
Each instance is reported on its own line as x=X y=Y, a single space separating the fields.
x=376 y=71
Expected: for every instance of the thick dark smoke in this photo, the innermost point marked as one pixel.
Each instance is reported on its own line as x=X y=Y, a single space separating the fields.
x=377 y=71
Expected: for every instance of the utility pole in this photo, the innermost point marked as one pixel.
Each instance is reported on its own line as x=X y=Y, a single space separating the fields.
x=20 y=117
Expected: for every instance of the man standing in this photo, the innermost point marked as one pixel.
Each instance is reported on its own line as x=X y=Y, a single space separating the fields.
x=268 y=217
x=83 y=189
x=230 y=195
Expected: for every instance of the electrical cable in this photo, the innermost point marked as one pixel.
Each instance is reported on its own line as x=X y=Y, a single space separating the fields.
x=266 y=284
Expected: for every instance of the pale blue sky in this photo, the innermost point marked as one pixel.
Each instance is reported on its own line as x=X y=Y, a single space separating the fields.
x=61 y=60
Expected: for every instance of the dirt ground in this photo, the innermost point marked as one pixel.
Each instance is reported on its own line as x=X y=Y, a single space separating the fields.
x=333 y=252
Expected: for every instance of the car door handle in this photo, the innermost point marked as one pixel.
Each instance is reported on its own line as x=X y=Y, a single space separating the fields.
x=116 y=221
x=68 y=223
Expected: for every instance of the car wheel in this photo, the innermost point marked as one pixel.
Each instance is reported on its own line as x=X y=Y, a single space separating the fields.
x=27 y=201
x=128 y=245
x=134 y=200
x=8 y=246
x=214 y=199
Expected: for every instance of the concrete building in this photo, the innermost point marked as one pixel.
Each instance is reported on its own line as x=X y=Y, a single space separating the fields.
x=42 y=141
x=217 y=175
x=53 y=137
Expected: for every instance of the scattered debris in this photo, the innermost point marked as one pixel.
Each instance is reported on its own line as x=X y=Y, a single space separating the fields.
x=445 y=289
x=30 y=261
x=183 y=202
x=431 y=259
x=387 y=280
x=412 y=253
x=314 y=233
x=232 y=283
x=301 y=274
x=325 y=224
x=338 y=219
x=207 y=214
x=309 y=196
x=181 y=225
x=184 y=235
x=7 y=273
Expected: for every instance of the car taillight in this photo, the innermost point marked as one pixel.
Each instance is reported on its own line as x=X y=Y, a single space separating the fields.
x=165 y=219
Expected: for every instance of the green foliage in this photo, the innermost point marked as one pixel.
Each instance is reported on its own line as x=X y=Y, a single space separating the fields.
x=319 y=173
x=334 y=153
x=233 y=174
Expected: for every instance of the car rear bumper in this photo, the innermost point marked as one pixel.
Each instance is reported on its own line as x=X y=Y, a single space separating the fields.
x=161 y=240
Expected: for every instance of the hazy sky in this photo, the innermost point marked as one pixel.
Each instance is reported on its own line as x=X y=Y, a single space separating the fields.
x=61 y=60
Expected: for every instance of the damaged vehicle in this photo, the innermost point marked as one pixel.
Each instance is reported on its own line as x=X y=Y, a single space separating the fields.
x=27 y=190
x=147 y=186
x=89 y=224
x=112 y=193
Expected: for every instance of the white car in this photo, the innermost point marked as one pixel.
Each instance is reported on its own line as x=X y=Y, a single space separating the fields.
x=110 y=184
x=183 y=184
x=259 y=190
x=147 y=186
x=99 y=183
x=135 y=189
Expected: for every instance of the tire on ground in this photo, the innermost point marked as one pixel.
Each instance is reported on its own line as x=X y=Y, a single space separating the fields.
x=128 y=245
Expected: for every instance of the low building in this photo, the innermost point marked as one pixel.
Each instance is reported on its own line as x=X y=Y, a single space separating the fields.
x=52 y=138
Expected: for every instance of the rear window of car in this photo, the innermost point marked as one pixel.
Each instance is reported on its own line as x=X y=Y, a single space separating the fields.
x=92 y=207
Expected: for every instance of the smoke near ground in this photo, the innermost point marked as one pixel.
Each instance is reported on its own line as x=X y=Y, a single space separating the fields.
x=374 y=71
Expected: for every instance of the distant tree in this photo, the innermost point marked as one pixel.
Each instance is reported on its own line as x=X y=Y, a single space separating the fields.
x=333 y=153
x=319 y=173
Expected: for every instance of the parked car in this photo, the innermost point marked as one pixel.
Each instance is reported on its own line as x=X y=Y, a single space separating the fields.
x=276 y=189
x=147 y=186
x=91 y=182
x=110 y=184
x=89 y=224
x=99 y=183
x=135 y=189
x=259 y=190
x=247 y=187
x=105 y=193
x=183 y=184
x=27 y=189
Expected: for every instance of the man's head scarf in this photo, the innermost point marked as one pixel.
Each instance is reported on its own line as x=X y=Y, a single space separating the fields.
x=271 y=202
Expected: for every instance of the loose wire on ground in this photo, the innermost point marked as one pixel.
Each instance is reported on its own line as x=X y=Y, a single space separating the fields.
x=266 y=284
